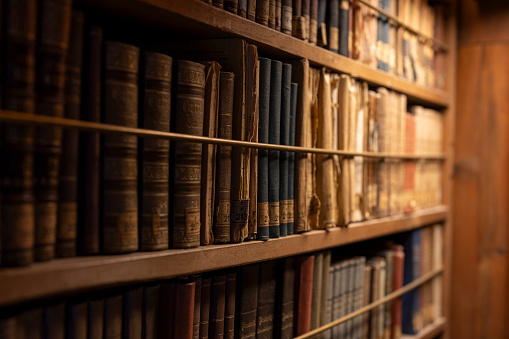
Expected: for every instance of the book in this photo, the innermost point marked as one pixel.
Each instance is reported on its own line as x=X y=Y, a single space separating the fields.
x=30 y=324
x=316 y=296
x=291 y=160
x=411 y=321
x=298 y=20
x=242 y=9
x=54 y=321
x=132 y=313
x=303 y=293
x=286 y=17
x=266 y=299
x=120 y=168
x=150 y=311
x=366 y=301
x=205 y=306
x=277 y=14
x=376 y=325
x=306 y=11
x=263 y=12
x=251 y=10
x=324 y=296
x=343 y=27
x=9 y=327
x=397 y=283
x=272 y=14
x=52 y=48
x=76 y=327
x=329 y=308
x=95 y=318
x=217 y=306
x=155 y=171
x=113 y=305
x=333 y=25
x=246 y=301
x=313 y=21
x=284 y=156
x=197 y=305
x=285 y=288
x=313 y=202
x=231 y=5
x=229 y=312
x=189 y=120
x=66 y=232
x=184 y=308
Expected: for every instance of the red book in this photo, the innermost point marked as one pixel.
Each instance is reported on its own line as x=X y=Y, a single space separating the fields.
x=303 y=292
x=397 y=282
x=177 y=310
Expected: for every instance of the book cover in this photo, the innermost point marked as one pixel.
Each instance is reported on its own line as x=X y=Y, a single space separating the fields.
x=54 y=321
x=343 y=27
x=284 y=156
x=303 y=294
x=412 y=319
x=197 y=305
x=95 y=322
x=286 y=16
x=332 y=21
x=205 y=306
x=316 y=294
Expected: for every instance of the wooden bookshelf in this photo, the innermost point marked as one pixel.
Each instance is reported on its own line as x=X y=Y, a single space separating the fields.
x=429 y=332
x=78 y=274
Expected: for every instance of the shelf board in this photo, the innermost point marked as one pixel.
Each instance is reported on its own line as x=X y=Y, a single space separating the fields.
x=204 y=20
x=429 y=332
x=78 y=274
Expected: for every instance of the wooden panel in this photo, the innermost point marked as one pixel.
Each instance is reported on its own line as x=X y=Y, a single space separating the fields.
x=484 y=21
x=64 y=276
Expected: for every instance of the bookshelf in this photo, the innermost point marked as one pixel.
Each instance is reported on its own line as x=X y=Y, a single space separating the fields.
x=63 y=277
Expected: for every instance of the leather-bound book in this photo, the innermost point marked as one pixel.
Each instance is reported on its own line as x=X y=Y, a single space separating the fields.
x=325 y=288
x=291 y=160
x=246 y=303
x=272 y=14
x=284 y=140
x=285 y=288
x=343 y=26
x=306 y=11
x=286 y=16
x=321 y=38
x=52 y=49
x=197 y=305
x=217 y=306
x=262 y=12
x=333 y=25
x=113 y=316
x=298 y=22
x=77 y=319
x=224 y=160
x=303 y=293
x=229 y=310
x=189 y=120
x=90 y=161
x=398 y=262
x=231 y=5
x=167 y=309
x=218 y=3
x=54 y=321
x=30 y=325
x=274 y=138
x=120 y=168
x=155 y=159
x=313 y=22
x=263 y=155
x=150 y=311
x=366 y=300
x=242 y=10
x=205 y=306
x=316 y=296
x=313 y=202
x=181 y=317
x=68 y=187
x=266 y=299
x=95 y=319
x=251 y=10
x=132 y=313
x=18 y=94
x=277 y=15
x=252 y=120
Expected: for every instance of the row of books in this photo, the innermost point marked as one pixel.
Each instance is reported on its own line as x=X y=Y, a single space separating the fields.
x=274 y=299
x=358 y=31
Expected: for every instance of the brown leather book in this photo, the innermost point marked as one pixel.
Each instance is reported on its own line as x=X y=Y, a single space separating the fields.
x=229 y=310
x=316 y=297
x=52 y=49
x=132 y=313
x=205 y=306
x=54 y=321
x=197 y=306
x=18 y=90
x=231 y=6
x=246 y=304
x=306 y=10
x=286 y=16
x=278 y=14
x=113 y=316
x=266 y=299
x=217 y=306
x=313 y=22
x=398 y=262
x=10 y=327
x=68 y=186
x=150 y=311
x=77 y=314
x=155 y=162
x=184 y=309
x=187 y=180
x=272 y=14
x=95 y=319
x=208 y=160
x=120 y=168
x=223 y=160
x=218 y=3
x=31 y=323
x=303 y=293
x=251 y=10
x=263 y=12
x=89 y=220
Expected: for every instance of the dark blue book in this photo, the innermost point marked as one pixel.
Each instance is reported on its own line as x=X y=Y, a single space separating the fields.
x=383 y=36
x=322 y=10
x=412 y=271
x=291 y=159
x=263 y=154
x=285 y=140
x=343 y=27
x=332 y=25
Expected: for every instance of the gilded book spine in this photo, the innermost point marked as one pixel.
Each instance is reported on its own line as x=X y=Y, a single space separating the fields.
x=120 y=169
x=68 y=188
x=155 y=164
x=53 y=43
x=224 y=160
x=18 y=82
x=189 y=112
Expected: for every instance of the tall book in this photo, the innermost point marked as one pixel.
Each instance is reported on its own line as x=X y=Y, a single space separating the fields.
x=231 y=5
x=382 y=49
x=113 y=305
x=205 y=306
x=184 y=308
x=197 y=305
x=313 y=20
x=120 y=168
x=333 y=25
x=251 y=10
x=313 y=202
x=189 y=120
x=52 y=49
x=217 y=305
x=298 y=23
x=229 y=309
x=68 y=186
x=397 y=283
x=221 y=226
x=77 y=313
x=306 y=11
x=286 y=17
x=262 y=12
x=316 y=297
x=95 y=322
x=155 y=162
x=247 y=301
x=252 y=120
x=150 y=311
x=54 y=321
x=303 y=294
x=272 y=14
x=9 y=326
x=285 y=288
x=208 y=165
x=31 y=323
x=343 y=27
x=324 y=317
x=18 y=94
x=284 y=205
x=132 y=313
x=266 y=299
x=291 y=160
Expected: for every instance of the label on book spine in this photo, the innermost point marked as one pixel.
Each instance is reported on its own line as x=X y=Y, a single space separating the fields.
x=192 y=219
x=290 y=218
x=263 y=214
x=283 y=211
x=274 y=214
x=240 y=212
x=333 y=38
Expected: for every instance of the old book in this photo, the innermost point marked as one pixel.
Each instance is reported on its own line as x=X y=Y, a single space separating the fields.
x=321 y=26
x=277 y=14
x=358 y=299
x=217 y=305
x=338 y=293
x=224 y=160
x=263 y=154
x=184 y=308
x=197 y=305
x=113 y=305
x=246 y=301
x=436 y=263
x=242 y=10
x=263 y=12
x=329 y=316
x=316 y=296
x=335 y=130
x=324 y=296
x=313 y=22
x=306 y=10
x=298 y=21
x=208 y=165
x=77 y=318
x=205 y=306
x=397 y=283
x=285 y=288
x=303 y=293
x=150 y=311
x=229 y=310
x=10 y=327
x=189 y=120
x=95 y=318
x=68 y=186
x=366 y=300
x=371 y=165
x=266 y=299
x=231 y=5
x=313 y=202
x=218 y=3
x=382 y=48
x=54 y=321
x=343 y=27
x=89 y=220
x=251 y=10
x=333 y=25
x=283 y=156
x=132 y=313
x=52 y=49
x=155 y=159
x=376 y=314
x=272 y=14
x=286 y=16
x=18 y=94
x=120 y=168
x=291 y=161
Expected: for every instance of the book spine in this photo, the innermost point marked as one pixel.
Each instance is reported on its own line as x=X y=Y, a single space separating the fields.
x=205 y=306
x=251 y=10
x=184 y=309
x=113 y=317
x=242 y=10
x=410 y=301
x=278 y=14
x=287 y=302
x=52 y=49
x=224 y=160
x=197 y=306
x=321 y=38
x=95 y=322
x=18 y=94
x=89 y=219
x=303 y=293
x=325 y=288
x=343 y=27
x=9 y=327
x=229 y=312
x=150 y=311
x=291 y=160
x=189 y=113
x=333 y=25
x=272 y=14
x=252 y=119
x=263 y=154
x=231 y=6
x=217 y=306
x=397 y=283
x=167 y=309
x=286 y=17
x=285 y=140
x=313 y=20
x=30 y=324
x=316 y=294
x=132 y=313
x=274 y=138
x=297 y=19
x=217 y=3
x=262 y=12
x=120 y=168
x=155 y=158
x=266 y=298
x=208 y=165
x=306 y=10
x=246 y=305
x=76 y=327
x=68 y=187
x=54 y=321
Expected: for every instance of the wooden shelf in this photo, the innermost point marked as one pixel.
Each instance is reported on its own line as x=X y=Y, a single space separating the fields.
x=430 y=331
x=207 y=21
x=74 y=275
